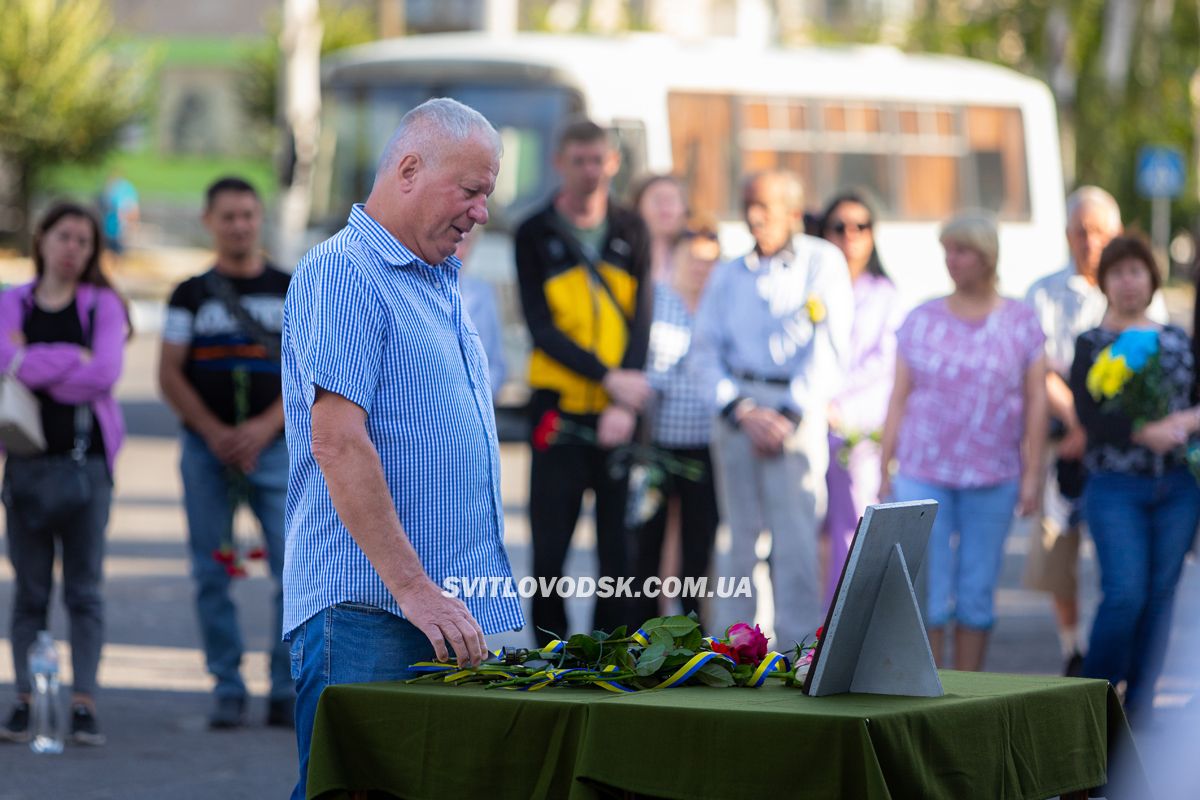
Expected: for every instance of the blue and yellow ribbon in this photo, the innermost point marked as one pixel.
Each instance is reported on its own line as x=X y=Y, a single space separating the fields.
x=774 y=662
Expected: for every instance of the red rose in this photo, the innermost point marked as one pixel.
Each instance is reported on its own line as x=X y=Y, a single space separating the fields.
x=224 y=556
x=749 y=643
x=257 y=554
x=724 y=649
x=235 y=571
x=544 y=433
x=820 y=630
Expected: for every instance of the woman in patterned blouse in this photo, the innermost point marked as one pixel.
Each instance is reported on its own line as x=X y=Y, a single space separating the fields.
x=1141 y=503
x=967 y=425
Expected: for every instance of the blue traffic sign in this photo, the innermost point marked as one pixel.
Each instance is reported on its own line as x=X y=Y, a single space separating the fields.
x=1160 y=172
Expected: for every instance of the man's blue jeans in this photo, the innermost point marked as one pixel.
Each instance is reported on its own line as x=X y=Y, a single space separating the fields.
x=208 y=495
x=348 y=643
x=1142 y=527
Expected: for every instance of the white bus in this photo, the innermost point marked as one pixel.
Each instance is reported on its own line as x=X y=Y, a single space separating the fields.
x=926 y=135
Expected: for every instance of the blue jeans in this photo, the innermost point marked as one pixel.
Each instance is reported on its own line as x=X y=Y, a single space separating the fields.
x=1142 y=527
x=961 y=582
x=207 y=491
x=348 y=643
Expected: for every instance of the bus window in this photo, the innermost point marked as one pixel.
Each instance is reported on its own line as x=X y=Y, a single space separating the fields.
x=702 y=151
x=360 y=118
x=996 y=144
x=929 y=189
x=630 y=136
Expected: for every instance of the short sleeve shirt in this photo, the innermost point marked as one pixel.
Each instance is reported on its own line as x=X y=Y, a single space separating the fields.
x=368 y=320
x=964 y=419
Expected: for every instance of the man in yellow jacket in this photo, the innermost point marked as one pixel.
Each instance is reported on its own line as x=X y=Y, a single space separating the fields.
x=583 y=266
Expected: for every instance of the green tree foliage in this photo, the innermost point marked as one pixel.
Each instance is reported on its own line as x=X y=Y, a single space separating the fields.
x=259 y=87
x=1065 y=42
x=64 y=94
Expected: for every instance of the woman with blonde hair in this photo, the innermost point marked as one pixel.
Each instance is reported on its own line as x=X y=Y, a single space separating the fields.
x=966 y=427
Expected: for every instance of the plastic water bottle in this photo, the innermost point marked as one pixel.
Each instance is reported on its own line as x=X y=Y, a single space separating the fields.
x=47 y=722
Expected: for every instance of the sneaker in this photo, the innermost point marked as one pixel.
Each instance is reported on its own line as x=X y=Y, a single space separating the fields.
x=1074 y=666
x=84 y=728
x=281 y=713
x=228 y=712
x=17 y=727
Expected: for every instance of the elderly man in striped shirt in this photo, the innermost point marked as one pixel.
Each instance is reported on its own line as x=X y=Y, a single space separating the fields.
x=395 y=468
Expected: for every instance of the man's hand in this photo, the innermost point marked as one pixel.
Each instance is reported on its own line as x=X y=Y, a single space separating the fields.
x=767 y=428
x=444 y=620
x=17 y=338
x=615 y=426
x=1073 y=444
x=222 y=440
x=628 y=387
x=253 y=437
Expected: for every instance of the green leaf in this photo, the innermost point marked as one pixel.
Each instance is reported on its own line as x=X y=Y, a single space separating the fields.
x=651 y=659
x=586 y=648
x=661 y=636
x=676 y=626
x=714 y=674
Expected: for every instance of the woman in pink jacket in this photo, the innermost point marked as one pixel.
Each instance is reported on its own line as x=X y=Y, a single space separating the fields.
x=64 y=336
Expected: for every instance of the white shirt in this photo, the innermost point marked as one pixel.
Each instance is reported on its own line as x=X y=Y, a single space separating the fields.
x=1066 y=305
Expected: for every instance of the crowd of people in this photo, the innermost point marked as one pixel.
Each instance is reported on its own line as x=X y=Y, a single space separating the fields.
x=780 y=391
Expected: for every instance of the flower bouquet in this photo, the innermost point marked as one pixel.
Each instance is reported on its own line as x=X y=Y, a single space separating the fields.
x=645 y=466
x=665 y=652
x=1127 y=376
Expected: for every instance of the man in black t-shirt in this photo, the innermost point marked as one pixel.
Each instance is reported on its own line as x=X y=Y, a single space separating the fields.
x=219 y=371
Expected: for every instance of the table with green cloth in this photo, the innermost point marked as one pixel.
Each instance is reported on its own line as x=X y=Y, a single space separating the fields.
x=990 y=736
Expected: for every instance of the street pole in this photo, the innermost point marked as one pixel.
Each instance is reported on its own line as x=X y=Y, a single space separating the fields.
x=1160 y=230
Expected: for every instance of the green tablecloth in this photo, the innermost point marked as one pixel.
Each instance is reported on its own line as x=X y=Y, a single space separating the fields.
x=994 y=736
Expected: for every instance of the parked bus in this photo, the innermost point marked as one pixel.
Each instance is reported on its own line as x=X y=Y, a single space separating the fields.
x=926 y=135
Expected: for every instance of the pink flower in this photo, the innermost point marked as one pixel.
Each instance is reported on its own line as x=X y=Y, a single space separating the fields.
x=749 y=643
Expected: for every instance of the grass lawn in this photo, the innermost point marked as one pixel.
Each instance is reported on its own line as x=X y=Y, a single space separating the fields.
x=162 y=178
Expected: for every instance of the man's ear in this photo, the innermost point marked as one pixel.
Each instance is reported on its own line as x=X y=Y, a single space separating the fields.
x=612 y=162
x=407 y=169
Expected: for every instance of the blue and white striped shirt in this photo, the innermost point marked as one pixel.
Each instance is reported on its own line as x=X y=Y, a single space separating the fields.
x=683 y=414
x=366 y=319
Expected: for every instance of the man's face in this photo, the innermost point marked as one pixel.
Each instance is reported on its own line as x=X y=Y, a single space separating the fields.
x=452 y=195
x=586 y=167
x=771 y=221
x=234 y=220
x=1089 y=231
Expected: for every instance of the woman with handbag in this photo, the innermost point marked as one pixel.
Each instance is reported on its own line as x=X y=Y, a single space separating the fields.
x=62 y=336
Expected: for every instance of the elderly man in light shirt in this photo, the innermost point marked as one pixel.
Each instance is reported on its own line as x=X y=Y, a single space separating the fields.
x=1067 y=303
x=772 y=335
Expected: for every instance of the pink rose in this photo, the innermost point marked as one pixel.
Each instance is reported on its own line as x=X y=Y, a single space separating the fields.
x=749 y=643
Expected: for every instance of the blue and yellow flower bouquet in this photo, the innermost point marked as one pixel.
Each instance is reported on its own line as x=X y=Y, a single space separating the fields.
x=1127 y=376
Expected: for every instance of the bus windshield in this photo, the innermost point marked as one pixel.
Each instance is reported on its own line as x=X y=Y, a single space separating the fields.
x=359 y=119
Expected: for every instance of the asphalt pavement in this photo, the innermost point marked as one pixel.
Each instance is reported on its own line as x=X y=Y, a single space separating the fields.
x=155 y=693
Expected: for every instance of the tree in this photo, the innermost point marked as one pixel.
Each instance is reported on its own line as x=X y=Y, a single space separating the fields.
x=64 y=93
x=259 y=87
x=1120 y=71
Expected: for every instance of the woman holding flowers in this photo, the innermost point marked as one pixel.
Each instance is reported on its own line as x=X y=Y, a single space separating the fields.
x=966 y=424
x=1132 y=381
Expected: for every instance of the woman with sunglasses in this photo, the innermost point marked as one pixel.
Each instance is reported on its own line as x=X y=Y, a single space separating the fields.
x=856 y=415
x=63 y=335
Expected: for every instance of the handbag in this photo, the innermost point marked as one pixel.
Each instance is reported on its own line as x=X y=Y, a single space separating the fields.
x=20 y=414
x=50 y=491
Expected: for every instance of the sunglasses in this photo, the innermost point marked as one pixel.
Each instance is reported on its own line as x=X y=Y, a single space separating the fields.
x=840 y=228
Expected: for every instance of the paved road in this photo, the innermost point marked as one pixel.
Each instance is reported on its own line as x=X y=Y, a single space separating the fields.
x=155 y=699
